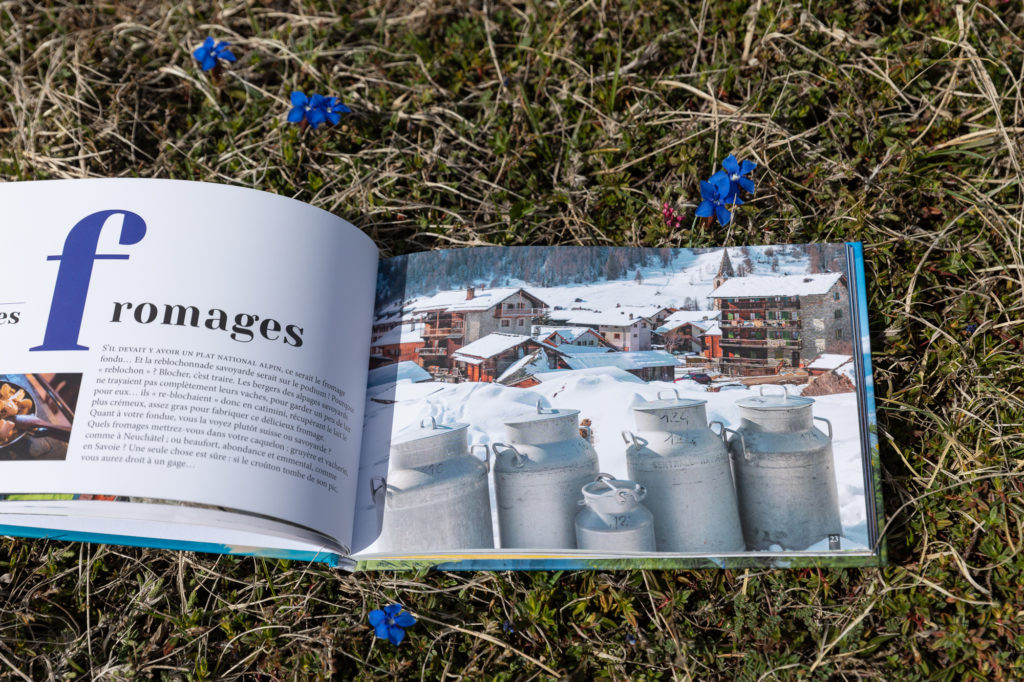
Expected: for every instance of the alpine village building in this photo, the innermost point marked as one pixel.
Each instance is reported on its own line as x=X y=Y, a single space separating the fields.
x=623 y=328
x=455 y=319
x=778 y=321
x=692 y=331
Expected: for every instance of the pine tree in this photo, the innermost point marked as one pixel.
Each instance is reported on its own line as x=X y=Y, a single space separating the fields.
x=665 y=254
x=611 y=267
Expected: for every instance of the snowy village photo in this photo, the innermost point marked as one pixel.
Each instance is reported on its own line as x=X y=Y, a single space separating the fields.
x=617 y=401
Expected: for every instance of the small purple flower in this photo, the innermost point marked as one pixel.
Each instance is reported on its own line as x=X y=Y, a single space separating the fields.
x=714 y=193
x=671 y=216
x=333 y=108
x=736 y=171
x=389 y=624
x=971 y=328
x=309 y=109
x=209 y=52
x=508 y=627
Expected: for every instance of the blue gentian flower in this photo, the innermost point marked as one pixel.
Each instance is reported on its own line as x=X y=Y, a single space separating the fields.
x=309 y=109
x=389 y=624
x=333 y=108
x=736 y=171
x=714 y=193
x=208 y=53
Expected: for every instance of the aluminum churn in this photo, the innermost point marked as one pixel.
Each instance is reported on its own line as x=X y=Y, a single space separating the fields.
x=785 y=474
x=437 y=496
x=685 y=467
x=538 y=478
x=612 y=518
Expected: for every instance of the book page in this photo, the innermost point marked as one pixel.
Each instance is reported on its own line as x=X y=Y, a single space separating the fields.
x=589 y=402
x=183 y=341
x=155 y=524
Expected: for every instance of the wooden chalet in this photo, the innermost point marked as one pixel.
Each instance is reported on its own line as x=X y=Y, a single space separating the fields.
x=398 y=343
x=488 y=358
x=574 y=337
x=453 y=320
x=683 y=331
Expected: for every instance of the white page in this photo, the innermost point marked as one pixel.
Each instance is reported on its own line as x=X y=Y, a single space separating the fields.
x=228 y=253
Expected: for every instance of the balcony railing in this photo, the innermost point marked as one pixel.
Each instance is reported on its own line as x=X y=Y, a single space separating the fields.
x=747 y=324
x=760 y=305
x=744 y=342
x=794 y=344
x=519 y=312
x=432 y=351
x=454 y=330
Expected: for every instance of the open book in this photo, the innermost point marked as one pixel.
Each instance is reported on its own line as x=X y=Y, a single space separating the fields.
x=204 y=367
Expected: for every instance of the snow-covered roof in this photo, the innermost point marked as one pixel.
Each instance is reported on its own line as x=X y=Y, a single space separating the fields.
x=645 y=310
x=616 y=317
x=780 y=285
x=528 y=365
x=487 y=299
x=542 y=331
x=444 y=300
x=488 y=346
x=574 y=349
x=456 y=301
x=712 y=330
x=630 y=360
x=571 y=337
x=403 y=333
x=829 y=361
x=400 y=371
x=615 y=373
x=567 y=334
x=681 y=317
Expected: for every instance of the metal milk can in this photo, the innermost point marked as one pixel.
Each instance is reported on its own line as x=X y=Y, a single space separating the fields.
x=785 y=475
x=538 y=478
x=685 y=467
x=436 y=497
x=612 y=518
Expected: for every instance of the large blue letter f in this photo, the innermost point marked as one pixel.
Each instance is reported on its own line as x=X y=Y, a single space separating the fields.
x=75 y=271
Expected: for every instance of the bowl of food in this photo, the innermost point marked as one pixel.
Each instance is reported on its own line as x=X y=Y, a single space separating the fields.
x=18 y=417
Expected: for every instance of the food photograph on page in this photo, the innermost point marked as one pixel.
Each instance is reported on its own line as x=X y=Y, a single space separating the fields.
x=619 y=401
x=37 y=412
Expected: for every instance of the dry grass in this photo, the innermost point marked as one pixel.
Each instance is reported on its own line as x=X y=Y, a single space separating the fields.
x=895 y=124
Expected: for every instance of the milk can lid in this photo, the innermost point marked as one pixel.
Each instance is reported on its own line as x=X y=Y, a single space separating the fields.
x=668 y=403
x=775 y=401
x=428 y=428
x=541 y=415
x=607 y=489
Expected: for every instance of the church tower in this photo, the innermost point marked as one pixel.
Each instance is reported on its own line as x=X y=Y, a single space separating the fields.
x=725 y=270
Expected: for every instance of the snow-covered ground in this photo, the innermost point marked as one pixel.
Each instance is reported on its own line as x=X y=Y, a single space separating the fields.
x=606 y=400
x=689 y=277
x=604 y=397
